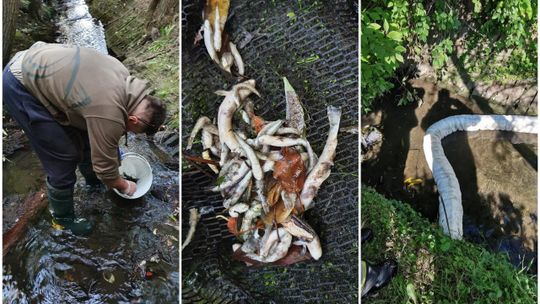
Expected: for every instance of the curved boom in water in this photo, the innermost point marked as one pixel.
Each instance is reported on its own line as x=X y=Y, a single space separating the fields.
x=450 y=207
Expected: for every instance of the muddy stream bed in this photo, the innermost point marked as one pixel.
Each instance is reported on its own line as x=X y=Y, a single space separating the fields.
x=497 y=171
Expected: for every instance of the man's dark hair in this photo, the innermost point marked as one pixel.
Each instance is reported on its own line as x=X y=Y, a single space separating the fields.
x=157 y=113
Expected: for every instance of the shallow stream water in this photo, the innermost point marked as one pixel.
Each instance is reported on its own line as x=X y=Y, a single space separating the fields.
x=130 y=257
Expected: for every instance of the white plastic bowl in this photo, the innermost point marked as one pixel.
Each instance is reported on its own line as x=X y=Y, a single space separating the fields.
x=136 y=166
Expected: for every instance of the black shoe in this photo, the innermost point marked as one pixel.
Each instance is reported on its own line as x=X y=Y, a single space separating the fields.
x=366 y=235
x=378 y=276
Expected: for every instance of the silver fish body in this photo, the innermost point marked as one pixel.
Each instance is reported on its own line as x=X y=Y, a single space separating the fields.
x=321 y=170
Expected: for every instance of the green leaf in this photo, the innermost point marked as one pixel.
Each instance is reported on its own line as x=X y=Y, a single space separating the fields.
x=400 y=48
x=374 y=26
x=386 y=27
x=528 y=9
x=220 y=180
x=395 y=35
x=411 y=293
x=291 y=15
x=399 y=58
x=445 y=246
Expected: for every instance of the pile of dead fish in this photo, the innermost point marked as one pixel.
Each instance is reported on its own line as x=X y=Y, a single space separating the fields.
x=268 y=173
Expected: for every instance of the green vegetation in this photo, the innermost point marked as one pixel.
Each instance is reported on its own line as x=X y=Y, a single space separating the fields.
x=432 y=267
x=492 y=40
x=162 y=70
x=148 y=56
x=34 y=23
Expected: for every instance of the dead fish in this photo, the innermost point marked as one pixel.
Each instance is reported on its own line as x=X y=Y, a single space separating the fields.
x=276 y=246
x=193 y=220
x=321 y=170
x=308 y=237
x=215 y=13
x=238 y=191
x=237 y=58
x=350 y=129
x=237 y=174
x=203 y=123
x=237 y=209
x=252 y=157
x=277 y=141
x=226 y=112
x=249 y=217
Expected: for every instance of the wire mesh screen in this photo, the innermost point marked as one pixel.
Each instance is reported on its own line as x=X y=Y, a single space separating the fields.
x=315 y=45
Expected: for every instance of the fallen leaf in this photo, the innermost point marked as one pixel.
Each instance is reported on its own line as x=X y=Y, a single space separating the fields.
x=278 y=213
x=411 y=292
x=281 y=214
x=108 y=276
x=290 y=171
x=69 y=277
x=294 y=255
x=232 y=225
x=257 y=122
x=273 y=195
x=294 y=111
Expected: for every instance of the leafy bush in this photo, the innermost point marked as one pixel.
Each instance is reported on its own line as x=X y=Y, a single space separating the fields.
x=496 y=39
x=382 y=49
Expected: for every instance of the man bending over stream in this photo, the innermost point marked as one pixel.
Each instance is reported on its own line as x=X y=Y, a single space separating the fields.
x=74 y=104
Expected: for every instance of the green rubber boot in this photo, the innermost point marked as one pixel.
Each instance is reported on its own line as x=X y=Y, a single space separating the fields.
x=90 y=176
x=63 y=212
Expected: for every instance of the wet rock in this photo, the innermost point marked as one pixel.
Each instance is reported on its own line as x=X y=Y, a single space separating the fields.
x=12 y=205
x=165 y=193
x=371 y=141
x=168 y=142
x=14 y=141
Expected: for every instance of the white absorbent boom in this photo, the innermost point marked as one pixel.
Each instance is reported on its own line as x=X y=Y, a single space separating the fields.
x=450 y=207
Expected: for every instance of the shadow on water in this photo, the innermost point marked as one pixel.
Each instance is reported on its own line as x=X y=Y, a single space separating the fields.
x=402 y=156
x=495 y=170
x=130 y=257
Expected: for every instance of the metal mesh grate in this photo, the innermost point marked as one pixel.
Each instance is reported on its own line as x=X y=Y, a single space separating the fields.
x=314 y=45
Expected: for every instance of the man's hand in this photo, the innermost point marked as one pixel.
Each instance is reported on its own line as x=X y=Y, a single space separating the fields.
x=123 y=185
x=130 y=188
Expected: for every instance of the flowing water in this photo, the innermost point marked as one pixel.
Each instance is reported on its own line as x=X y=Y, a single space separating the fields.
x=130 y=257
x=78 y=27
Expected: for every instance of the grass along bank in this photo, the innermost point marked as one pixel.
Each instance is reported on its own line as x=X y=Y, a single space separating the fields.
x=432 y=267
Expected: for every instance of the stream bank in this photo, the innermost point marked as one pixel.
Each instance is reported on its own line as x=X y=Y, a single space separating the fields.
x=432 y=267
